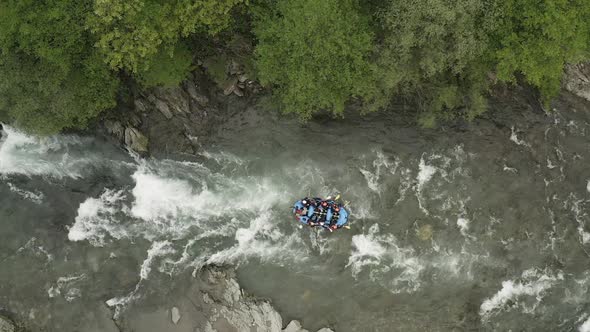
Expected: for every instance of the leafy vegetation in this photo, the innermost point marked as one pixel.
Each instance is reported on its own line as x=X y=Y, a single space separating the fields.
x=536 y=39
x=315 y=53
x=435 y=52
x=51 y=76
x=61 y=62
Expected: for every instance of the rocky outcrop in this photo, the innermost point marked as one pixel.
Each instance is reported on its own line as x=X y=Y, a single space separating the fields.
x=135 y=140
x=167 y=120
x=214 y=302
x=6 y=325
x=577 y=79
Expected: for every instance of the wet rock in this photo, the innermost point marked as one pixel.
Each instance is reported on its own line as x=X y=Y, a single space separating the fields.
x=577 y=79
x=115 y=128
x=163 y=108
x=135 y=140
x=6 y=325
x=175 y=313
x=325 y=329
x=294 y=326
x=175 y=99
x=424 y=232
x=238 y=92
x=134 y=120
x=229 y=86
x=191 y=89
x=242 y=78
x=140 y=106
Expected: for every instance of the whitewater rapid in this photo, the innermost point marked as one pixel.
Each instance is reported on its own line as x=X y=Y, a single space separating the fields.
x=504 y=229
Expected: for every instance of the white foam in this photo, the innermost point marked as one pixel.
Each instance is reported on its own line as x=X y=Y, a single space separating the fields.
x=37 y=250
x=405 y=184
x=425 y=173
x=381 y=166
x=533 y=283
x=463 y=225
x=222 y=157
x=29 y=155
x=514 y=138
x=260 y=239
x=96 y=220
x=158 y=249
x=390 y=265
x=509 y=169
x=64 y=287
x=35 y=197
x=585 y=327
x=588 y=186
x=580 y=216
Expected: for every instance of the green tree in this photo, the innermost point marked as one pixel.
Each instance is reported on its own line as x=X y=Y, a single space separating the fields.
x=169 y=67
x=51 y=77
x=134 y=34
x=315 y=54
x=537 y=37
x=436 y=53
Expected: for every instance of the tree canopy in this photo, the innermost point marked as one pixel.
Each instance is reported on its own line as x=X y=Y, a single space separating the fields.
x=62 y=62
x=51 y=76
x=537 y=38
x=315 y=54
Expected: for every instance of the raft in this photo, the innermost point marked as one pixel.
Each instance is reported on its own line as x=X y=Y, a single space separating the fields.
x=327 y=213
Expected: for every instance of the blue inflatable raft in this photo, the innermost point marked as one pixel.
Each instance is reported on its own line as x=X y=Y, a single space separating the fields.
x=326 y=213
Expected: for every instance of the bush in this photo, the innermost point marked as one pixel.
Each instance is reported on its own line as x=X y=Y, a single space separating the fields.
x=315 y=54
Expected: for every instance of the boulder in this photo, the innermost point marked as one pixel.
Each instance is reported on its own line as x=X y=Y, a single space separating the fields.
x=135 y=140
x=191 y=89
x=115 y=128
x=140 y=106
x=6 y=325
x=238 y=92
x=163 y=108
x=577 y=79
x=175 y=98
x=294 y=326
x=229 y=86
x=175 y=313
x=242 y=78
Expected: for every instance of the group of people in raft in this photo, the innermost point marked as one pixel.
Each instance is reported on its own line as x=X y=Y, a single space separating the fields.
x=316 y=212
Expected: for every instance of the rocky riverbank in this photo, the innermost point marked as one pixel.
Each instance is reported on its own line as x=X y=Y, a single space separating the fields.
x=6 y=325
x=180 y=120
x=213 y=302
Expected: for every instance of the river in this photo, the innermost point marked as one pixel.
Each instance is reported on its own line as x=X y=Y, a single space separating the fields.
x=483 y=227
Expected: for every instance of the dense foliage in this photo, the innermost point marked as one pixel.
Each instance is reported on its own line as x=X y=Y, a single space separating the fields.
x=316 y=54
x=434 y=52
x=62 y=61
x=51 y=75
x=536 y=38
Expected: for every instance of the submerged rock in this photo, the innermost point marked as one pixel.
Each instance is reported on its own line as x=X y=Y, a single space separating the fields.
x=6 y=325
x=213 y=302
x=175 y=315
x=294 y=326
